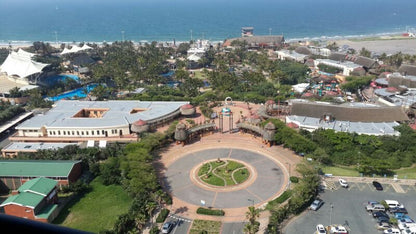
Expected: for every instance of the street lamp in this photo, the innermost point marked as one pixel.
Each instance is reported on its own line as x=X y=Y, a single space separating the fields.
x=252 y=201
x=330 y=214
x=289 y=173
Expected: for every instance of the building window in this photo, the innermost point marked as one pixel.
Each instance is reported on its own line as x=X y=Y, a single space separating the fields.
x=59 y=132
x=73 y=132
x=82 y=133
x=86 y=133
x=78 y=133
x=64 y=132
x=98 y=132
x=92 y=133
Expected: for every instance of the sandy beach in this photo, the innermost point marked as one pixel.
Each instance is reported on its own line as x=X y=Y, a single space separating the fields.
x=379 y=46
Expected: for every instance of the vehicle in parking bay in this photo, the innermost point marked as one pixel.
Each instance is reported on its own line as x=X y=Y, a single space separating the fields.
x=316 y=204
x=375 y=208
x=380 y=214
x=393 y=204
x=343 y=183
x=320 y=229
x=383 y=219
x=398 y=210
x=400 y=215
x=167 y=227
x=392 y=231
x=383 y=225
x=377 y=185
x=372 y=202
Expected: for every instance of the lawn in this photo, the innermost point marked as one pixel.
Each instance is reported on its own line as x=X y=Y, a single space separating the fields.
x=223 y=172
x=200 y=75
x=211 y=227
x=409 y=172
x=97 y=210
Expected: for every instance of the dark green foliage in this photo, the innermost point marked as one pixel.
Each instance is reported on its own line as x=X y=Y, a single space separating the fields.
x=370 y=154
x=154 y=230
x=213 y=212
x=110 y=171
x=329 y=69
x=78 y=187
x=162 y=216
x=356 y=82
x=8 y=111
x=279 y=200
x=294 y=179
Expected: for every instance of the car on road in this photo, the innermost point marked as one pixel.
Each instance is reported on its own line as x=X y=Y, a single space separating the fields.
x=338 y=230
x=378 y=186
x=392 y=231
x=320 y=229
x=343 y=183
x=316 y=204
x=168 y=226
x=380 y=214
x=372 y=202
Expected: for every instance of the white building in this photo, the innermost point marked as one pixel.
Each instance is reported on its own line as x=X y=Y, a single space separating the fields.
x=346 y=66
x=92 y=119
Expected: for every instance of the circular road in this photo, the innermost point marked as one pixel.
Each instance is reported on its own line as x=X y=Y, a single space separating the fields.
x=264 y=185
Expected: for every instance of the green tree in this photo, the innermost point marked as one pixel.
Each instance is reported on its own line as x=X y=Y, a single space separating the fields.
x=364 y=52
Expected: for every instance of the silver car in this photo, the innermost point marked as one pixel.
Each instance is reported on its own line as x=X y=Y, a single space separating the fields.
x=316 y=204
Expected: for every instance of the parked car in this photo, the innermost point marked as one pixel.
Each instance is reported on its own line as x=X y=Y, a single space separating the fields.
x=320 y=229
x=375 y=208
x=372 y=202
x=167 y=227
x=383 y=225
x=393 y=204
x=380 y=214
x=392 y=231
x=385 y=219
x=378 y=186
x=316 y=204
x=343 y=183
x=398 y=210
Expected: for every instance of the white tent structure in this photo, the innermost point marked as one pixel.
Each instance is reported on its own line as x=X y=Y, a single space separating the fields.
x=21 y=64
x=75 y=49
x=194 y=57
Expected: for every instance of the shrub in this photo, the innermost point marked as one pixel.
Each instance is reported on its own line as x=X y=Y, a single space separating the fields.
x=206 y=211
x=154 y=230
x=294 y=179
x=279 y=200
x=162 y=216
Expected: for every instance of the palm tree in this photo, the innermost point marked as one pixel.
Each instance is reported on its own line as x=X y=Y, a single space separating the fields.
x=150 y=207
x=252 y=214
x=140 y=221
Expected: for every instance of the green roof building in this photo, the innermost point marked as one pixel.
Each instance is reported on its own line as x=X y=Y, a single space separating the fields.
x=36 y=199
x=14 y=173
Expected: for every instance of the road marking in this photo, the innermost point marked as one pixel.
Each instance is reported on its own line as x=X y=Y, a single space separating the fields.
x=229 y=153
x=213 y=200
x=259 y=198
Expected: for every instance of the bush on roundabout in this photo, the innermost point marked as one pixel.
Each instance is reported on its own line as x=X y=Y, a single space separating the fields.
x=294 y=179
x=205 y=211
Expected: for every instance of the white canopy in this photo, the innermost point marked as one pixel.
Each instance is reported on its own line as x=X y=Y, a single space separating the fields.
x=20 y=64
x=194 y=57
x=75 y=49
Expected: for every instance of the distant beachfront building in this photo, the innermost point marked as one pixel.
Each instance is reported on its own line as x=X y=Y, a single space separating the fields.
x=357 y=118
x=21 y=68
x=247 y=31
x=348 y=63
x=78 y=121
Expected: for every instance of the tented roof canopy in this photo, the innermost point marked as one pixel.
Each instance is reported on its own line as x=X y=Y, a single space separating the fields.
x=20 y=64
x=75 y=49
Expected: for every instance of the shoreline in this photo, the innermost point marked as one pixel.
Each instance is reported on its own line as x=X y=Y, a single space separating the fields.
x=389 y=43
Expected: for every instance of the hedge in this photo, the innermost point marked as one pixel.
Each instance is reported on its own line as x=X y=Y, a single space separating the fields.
x=206 y=211
x=162 y=216
x=279 y=200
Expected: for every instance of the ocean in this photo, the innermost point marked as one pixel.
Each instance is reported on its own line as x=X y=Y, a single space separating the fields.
x=216 y=20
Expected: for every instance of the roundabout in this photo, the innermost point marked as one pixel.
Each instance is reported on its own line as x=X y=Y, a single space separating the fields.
x=263 y=178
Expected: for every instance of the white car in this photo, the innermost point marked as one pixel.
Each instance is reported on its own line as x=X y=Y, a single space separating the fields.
x=320 y=229
x=392 y=231
x=338 y=230
x=343 y=183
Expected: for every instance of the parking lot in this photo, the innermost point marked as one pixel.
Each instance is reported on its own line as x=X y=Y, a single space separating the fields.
x=349 y=208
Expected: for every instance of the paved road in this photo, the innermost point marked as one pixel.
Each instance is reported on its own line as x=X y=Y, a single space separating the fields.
x=233 y=228
x=182 y=225
x=269 y=179
x=348 y=208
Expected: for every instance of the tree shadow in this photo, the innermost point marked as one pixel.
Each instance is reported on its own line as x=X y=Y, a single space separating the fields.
x=63 y=214
x=181 y=210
